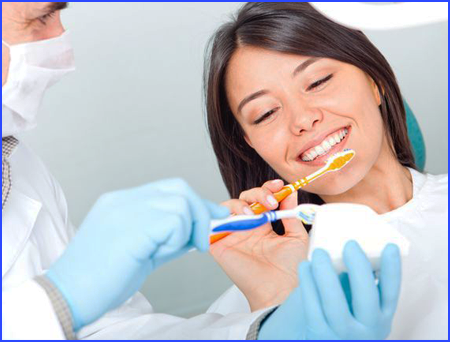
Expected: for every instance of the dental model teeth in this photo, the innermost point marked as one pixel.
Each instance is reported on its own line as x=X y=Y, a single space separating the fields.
x=325 y=146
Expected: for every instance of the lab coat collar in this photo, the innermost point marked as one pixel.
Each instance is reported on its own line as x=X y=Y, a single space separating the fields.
x=18 y=219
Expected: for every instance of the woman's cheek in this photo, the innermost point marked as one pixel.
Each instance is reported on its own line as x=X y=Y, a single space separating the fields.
x=269 y=153
x=267 y=141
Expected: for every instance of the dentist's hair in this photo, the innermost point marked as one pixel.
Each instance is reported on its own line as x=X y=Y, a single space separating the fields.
x=292 y=28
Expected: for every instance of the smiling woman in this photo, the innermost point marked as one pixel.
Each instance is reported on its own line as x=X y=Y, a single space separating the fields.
x=285 y=89
x=270 y=46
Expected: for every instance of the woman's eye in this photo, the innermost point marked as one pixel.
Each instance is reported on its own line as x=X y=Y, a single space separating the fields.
x=319 y=83
x=265 y=116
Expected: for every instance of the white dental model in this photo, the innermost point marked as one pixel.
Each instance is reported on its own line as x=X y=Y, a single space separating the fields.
x=337 y=223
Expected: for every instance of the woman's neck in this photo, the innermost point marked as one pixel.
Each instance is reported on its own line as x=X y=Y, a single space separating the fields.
x=386 y=187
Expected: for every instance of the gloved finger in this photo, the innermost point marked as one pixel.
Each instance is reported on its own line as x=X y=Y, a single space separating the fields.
x=345 y=283
x=365 y=297
x=200 y=213
x=331 y=293
x=145 y=198
x=390 y=279
x=165 y=255
x=169 y=220
x=315 y=317
x=216 y=211
x=287 y=322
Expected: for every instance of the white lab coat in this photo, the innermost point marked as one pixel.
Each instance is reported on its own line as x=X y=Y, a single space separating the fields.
x=423 y=305
x=35 y=231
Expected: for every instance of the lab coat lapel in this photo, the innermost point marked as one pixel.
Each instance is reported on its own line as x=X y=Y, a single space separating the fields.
x=18 y=219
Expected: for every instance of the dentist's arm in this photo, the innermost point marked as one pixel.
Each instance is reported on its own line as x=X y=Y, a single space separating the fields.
x=124 y=238
x=326 y=306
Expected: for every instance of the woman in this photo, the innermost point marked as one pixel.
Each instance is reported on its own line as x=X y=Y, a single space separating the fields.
x=285 y=89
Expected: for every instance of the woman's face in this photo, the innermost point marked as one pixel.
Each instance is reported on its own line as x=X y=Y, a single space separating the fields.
x=297 y=111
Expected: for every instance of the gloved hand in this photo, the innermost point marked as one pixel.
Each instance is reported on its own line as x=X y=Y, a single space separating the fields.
x=124 y=238
x=351 y=306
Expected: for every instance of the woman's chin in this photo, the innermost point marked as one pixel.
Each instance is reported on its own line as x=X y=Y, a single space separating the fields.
x=334 y=186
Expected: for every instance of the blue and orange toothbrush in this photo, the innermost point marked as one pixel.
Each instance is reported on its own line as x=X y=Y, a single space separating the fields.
x=304 y=212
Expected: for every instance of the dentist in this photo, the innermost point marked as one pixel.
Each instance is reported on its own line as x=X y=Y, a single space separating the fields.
x=50 y=291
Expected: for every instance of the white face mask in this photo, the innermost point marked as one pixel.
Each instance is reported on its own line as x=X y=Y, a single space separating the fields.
x=33 y=68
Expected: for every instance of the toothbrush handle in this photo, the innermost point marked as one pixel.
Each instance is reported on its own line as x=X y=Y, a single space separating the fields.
x=216 y=237
x=257 y=208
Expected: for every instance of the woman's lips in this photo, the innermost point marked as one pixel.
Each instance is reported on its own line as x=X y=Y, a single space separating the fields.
x=322 y=159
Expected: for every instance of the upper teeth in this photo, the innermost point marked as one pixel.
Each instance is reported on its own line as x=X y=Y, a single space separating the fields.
x=325 y=146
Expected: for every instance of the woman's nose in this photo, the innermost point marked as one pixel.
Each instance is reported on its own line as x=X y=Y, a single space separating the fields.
x=305 y=119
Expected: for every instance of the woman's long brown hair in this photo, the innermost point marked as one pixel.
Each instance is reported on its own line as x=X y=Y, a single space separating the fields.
x=292 y=28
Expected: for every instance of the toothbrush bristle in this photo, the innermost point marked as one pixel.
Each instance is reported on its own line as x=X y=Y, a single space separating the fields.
x=339 y=160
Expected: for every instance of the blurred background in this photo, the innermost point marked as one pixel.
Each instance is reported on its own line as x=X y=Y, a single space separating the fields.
x=133 y=113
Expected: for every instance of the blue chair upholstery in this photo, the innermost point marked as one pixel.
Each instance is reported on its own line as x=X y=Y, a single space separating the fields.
x=416 y=138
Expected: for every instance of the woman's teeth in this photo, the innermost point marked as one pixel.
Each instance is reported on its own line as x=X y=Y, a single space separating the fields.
x=325 y=146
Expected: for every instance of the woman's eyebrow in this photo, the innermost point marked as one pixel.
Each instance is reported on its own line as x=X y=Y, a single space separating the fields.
x=260 y=93
x=304 y=65
x=251 y=97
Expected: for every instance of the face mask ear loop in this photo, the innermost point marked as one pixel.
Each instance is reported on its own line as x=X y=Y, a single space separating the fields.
x=6 y=44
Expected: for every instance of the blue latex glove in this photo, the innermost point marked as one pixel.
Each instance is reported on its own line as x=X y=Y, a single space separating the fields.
x=351 y=306
x=124 y=238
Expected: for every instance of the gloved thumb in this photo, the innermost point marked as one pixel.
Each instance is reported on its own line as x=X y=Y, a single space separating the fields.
x=216 y=211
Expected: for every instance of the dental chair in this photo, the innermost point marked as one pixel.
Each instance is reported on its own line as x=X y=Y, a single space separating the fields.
x=416 y=137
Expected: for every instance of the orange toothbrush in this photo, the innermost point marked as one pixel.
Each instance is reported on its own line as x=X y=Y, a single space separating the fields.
x=335 y=163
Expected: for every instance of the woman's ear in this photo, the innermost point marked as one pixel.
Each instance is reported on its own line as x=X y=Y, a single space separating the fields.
x=376 y=91
x=247 y=140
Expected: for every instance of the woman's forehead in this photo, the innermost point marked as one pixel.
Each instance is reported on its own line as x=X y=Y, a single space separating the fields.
x=248 y=59
x=253 y=65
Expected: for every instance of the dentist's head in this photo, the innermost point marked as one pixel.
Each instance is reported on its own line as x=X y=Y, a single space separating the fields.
x=35 y=55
